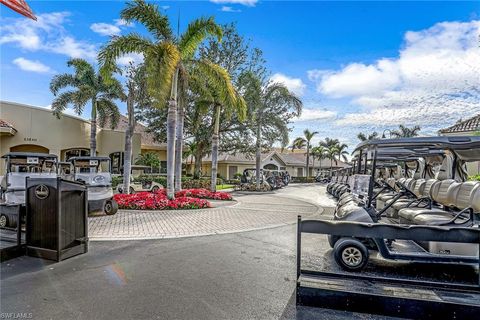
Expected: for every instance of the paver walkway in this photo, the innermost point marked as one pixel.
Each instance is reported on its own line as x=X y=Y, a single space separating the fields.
x=250 y=212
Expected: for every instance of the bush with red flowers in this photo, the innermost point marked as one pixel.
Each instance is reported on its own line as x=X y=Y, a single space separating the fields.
x=203 y=194
x=157 y=201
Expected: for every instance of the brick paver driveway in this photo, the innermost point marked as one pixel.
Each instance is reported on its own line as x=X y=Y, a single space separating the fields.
x=250 y=212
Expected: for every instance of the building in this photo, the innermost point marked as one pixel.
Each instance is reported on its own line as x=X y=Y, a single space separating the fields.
x=467 y=127
x=293 y=162
x=25 y=128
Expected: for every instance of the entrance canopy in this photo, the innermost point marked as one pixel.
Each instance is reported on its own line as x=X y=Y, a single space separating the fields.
x=19 y=6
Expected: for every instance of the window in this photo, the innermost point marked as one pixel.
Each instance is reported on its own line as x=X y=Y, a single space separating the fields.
x=299 y=172
x=231 y=171
x=116 y=159
x=163 y=166
x=80 y=152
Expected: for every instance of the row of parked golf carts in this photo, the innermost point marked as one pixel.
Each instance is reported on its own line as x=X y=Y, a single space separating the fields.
x=93 y=171
x=409 y=182
x=269 y=180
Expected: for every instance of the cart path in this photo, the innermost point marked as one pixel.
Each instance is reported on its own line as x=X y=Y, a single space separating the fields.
x=249 y=212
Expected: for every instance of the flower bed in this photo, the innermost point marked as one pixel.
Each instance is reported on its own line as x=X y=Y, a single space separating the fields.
x=158 y=201
x=204 y=194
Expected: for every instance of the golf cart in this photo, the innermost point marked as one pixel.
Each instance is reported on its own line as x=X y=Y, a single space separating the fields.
x=20 y=165
x=248 y=181
x=65 y=170
x=432 y=201
x=145 y=185
x=95 y=173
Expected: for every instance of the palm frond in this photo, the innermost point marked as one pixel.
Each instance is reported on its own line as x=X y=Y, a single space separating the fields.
x=61 y=81
x=107 y=110
x=197 y=31
x=84 y=71
x=148 y=15
x=117 y=47
x=61 y=102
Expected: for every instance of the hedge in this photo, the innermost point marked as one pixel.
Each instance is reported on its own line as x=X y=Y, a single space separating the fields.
x=303 y=180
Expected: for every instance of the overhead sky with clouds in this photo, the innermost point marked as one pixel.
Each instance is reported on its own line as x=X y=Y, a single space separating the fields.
x=358 y=66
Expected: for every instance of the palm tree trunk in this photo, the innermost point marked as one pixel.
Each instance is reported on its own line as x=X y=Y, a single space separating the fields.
x=127 y=156
x=308 y=160
x=198 y=162
x=171 y=124
x=313 y=164
x=215 y=139
x=93 y=129
x=258 y=155
x=179 y=145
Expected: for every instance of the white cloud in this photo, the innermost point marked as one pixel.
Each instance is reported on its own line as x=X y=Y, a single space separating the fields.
x=135 y=58
x=30 y=65
x=312 y=114
x=123 y=23
x=229 y=9
x=105 y=29
x=45 y=34
x=295 y=85
x=433 y=80
x=248 y=3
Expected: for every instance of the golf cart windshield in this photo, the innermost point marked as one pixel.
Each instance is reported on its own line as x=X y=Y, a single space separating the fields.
x=94 y=171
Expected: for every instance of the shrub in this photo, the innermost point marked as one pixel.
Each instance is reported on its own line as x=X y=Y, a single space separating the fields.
x=474 y=178
x=157 y=201
x=237 y=175
x=204 y=194
x=303 y=180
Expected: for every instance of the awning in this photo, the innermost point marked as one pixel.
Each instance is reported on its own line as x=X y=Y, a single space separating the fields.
x=19 y=6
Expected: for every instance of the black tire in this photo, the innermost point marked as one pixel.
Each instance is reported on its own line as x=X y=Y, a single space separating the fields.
x=155 y=189
x=350 y=254
x=3 y=221
x=111 y=207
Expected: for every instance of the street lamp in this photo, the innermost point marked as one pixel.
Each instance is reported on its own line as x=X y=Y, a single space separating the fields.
x=389 y=133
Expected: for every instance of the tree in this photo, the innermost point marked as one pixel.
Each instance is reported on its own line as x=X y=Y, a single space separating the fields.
x=364 y=137
x=168 y=60
x=136 y=96
x=308 y=138
x=342 y=151
x=405 y=132
x=272 y=106
x=298 y=143
x=89 y=86
x=327 y=143
x=319 y=153
x=150 y=159
x=332 y=152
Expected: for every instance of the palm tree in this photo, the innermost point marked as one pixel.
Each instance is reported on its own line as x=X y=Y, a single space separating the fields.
x=168 y=60
x=89 y=86
x=332 y=152
x=299 y=143
x=308 y=138
x=327 y=143
x=318 y=153
x=272 y=104
x=405 y=132
x=364 y=137
x=342 y=152
x=222 y=96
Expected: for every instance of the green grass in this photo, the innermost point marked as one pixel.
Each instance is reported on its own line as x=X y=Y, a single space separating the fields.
x=224 y=186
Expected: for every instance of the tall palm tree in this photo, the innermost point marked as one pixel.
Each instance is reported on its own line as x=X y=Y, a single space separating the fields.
x=88 y=86
x=332 y=152
x=168 y=60
x=308 y=138
x=319 y=152
x=271 y=105
x=364 y=137
x=328 y=142
x=342 y=151
x=405 y=132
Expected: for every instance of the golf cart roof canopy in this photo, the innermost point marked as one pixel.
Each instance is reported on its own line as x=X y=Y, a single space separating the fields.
x=466 y=147
x=89 y=158
x=13 y=155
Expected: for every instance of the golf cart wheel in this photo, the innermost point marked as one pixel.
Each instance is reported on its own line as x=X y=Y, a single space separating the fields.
x=3 y=221
x=155 y=189
x=132 y=191
x=350 y=254
x=111 y=207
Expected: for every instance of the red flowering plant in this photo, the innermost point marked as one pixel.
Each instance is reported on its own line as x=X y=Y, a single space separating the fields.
x=158 y=201
x=204 y=194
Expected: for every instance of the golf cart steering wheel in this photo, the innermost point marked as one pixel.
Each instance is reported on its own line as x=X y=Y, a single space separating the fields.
x=403 y=187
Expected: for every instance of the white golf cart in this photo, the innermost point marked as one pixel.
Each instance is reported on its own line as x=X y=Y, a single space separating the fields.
x=95 y=173
x=140 y=186
x=20 y=165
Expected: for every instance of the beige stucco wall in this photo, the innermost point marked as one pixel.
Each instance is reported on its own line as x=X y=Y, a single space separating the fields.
x=110 y=141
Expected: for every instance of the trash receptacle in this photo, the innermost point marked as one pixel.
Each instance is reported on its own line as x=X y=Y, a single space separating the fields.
x=56 y=218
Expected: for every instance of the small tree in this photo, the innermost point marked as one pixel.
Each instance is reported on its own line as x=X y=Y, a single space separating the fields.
x=150 y=159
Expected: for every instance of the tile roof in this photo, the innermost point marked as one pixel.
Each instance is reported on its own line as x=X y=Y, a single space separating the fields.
x=469 y=125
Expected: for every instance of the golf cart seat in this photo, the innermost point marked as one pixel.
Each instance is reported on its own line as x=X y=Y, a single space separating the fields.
x=383 y=198
x=468 y=196
x=459 y=196
x=440 y=192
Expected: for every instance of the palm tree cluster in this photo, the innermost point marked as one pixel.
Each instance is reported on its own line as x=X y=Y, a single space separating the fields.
x=328 y=148
x=179 y=74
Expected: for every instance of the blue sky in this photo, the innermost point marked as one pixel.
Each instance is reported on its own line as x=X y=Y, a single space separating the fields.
x=358 y=66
